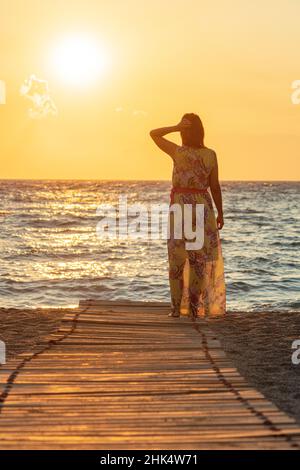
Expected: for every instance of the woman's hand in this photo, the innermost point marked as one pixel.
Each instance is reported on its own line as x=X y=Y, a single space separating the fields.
x=183 y=124
x=220 y=221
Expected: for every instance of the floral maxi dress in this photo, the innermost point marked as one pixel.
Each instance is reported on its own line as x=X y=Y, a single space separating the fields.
x=196 y=276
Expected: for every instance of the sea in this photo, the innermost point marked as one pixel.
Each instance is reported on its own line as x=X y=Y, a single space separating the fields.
x=52 y=254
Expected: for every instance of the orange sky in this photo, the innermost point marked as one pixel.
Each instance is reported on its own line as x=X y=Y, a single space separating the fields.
x=232 y=62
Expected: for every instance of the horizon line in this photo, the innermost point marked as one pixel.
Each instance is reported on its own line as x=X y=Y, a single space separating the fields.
x=148 y=180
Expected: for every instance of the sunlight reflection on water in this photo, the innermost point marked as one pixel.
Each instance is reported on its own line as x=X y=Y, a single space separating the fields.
x=51 y=255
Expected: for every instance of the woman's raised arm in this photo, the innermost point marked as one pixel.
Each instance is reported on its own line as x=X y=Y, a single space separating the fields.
x=164 y=144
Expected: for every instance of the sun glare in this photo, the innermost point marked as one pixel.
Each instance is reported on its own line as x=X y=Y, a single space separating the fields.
x=78 y=60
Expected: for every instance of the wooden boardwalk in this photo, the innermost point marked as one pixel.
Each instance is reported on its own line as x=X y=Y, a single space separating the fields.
x=126 y=376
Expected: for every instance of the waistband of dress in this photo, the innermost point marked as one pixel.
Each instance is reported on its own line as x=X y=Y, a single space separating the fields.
x=177 y=189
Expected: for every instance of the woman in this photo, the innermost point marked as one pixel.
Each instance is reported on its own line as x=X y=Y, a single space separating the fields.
x=196 y=276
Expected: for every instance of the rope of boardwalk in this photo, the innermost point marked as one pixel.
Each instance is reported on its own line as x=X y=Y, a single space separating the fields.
x=259 y=414
x=52 y=342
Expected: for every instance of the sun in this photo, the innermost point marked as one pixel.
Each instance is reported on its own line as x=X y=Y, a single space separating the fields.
x=78 y=60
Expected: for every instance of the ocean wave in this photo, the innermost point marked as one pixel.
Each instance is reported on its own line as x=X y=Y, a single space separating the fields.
x=239 y=286
x=50 y=254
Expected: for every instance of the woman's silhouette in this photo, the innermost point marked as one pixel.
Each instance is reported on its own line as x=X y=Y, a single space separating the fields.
x=196 y=276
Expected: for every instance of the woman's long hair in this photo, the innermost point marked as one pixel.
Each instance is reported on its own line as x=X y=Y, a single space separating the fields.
x=193 y=136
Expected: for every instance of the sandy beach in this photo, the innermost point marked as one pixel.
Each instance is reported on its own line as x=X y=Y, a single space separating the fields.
x=258 y=344
x=22 y=329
